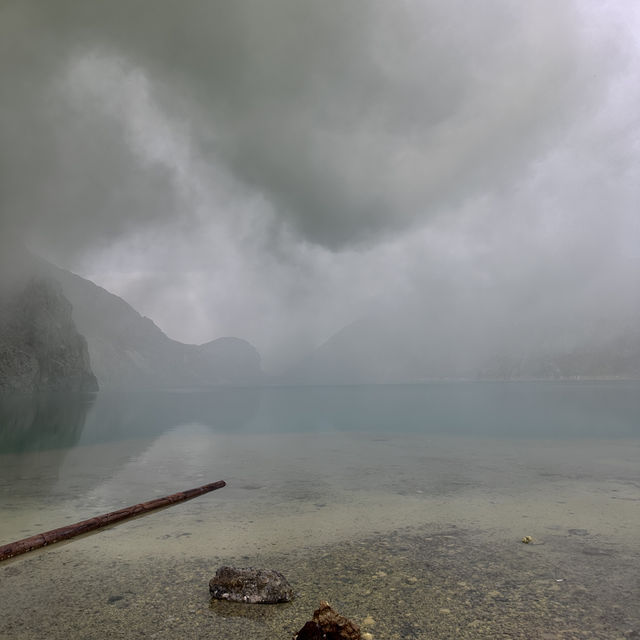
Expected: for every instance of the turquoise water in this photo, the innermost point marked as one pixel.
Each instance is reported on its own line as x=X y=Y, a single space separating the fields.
x=530 y=410
x=327 y=473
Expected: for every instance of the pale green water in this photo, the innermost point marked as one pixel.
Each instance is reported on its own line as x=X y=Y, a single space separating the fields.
x=435 y=482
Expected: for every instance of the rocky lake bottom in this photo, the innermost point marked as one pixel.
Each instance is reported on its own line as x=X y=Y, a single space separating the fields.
x=414 y=583
x=405 y=507
x=410 y=537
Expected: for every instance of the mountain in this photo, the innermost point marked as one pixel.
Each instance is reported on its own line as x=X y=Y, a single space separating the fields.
x=53 y=323
x=40 y=346
x=129 y=351
x=396 y=346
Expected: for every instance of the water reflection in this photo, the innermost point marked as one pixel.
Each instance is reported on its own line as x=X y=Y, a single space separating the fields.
x=520 y=409
x=299 y=461
x=118 y=416
x=66 y=444
x=598 y=409
x=48 y=442
x=42 y=421
x=54 y=421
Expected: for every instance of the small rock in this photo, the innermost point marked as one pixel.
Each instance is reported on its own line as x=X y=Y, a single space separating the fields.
x=250 y=585
x=328 y=625
x=310 y=631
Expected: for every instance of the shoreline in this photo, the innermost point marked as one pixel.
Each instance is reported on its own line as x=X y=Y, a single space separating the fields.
x=433 y=581
x=350 y=517
x=289 y=490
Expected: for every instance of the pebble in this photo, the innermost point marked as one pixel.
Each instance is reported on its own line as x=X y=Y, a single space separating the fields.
x=368 y=622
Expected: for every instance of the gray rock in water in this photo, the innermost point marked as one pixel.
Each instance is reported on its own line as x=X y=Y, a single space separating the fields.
x=250 y=585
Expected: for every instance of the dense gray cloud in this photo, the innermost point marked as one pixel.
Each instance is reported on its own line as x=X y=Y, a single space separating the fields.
x=279 y=167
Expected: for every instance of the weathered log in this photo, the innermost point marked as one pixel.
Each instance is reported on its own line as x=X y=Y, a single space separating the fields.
x=99 y=522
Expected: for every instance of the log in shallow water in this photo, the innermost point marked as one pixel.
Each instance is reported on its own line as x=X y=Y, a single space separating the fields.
x=99 y=522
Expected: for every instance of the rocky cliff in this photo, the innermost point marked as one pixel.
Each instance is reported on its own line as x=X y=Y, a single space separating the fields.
x=40 y=346
x=53 y=323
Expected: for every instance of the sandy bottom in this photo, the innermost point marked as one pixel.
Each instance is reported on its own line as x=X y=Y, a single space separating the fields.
x=421 y=534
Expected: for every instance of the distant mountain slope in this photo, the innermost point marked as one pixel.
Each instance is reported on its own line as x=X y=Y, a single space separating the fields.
x=40 y=346
x=412 y=347
x=129 y=351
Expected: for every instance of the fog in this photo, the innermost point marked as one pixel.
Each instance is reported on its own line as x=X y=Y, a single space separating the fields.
x=279 y=170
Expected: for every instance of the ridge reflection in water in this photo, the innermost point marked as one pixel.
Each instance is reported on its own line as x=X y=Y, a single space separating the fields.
x=57 y=449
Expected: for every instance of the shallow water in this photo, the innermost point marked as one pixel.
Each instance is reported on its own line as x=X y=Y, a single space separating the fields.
x=407 y=504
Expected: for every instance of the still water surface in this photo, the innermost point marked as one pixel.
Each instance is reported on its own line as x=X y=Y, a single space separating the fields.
x=361 y=493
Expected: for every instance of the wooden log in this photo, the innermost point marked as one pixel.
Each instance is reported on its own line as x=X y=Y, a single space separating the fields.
x=99 y=522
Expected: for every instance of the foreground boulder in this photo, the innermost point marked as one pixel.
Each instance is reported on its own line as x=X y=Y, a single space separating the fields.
x=328 y=625
x=250 y=585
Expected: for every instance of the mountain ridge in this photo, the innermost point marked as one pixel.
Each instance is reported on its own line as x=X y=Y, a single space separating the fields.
x=124 y=349
x=379 y=349
x=128 y=350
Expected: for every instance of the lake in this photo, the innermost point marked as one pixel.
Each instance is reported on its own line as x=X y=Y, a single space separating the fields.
x=406 y=504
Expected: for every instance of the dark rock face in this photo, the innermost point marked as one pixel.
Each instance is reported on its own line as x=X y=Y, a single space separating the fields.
x=328 y=625
x=250 y=585
x=40 y=347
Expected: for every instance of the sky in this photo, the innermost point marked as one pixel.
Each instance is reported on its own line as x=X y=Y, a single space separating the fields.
x=275 y=170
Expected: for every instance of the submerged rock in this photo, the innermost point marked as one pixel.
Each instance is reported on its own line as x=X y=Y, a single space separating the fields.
x=328 y=625
x=250 y=585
